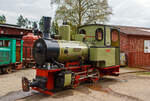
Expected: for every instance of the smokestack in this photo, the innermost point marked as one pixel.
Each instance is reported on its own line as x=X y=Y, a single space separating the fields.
x=47 y=24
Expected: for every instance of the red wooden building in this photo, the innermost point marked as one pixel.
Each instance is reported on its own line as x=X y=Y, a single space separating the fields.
x=13 y=30
x=135 y=43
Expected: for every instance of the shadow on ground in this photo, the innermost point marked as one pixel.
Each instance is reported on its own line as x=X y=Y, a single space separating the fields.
x=102 y=85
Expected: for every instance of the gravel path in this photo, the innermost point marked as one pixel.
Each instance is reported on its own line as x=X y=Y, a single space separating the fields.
x=127 y=87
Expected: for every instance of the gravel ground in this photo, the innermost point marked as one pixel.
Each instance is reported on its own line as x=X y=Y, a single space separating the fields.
x=127 y=87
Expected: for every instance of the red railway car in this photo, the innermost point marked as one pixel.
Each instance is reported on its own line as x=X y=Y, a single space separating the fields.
x=11 y=47
x=24 y=39
x=28 y=41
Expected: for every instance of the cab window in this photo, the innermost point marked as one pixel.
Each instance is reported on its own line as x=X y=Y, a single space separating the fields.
x=82 y=31
x=99 y=34
x=115 y=35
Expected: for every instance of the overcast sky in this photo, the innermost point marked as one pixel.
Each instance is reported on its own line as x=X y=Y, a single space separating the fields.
x=125 y=12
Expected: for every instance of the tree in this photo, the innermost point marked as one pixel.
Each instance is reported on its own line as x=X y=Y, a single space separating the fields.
x=81 y=12
x=35 y=28
x=24 y=22
x=34 y=25
x=2 y=19
x=41 y=24
x=21 y=21
x=54 y=28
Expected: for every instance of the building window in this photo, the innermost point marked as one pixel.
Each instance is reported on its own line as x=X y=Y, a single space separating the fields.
x=7 y=43
x=99 y=34
x=146 y=46
x=4 y=43
x=82 y=31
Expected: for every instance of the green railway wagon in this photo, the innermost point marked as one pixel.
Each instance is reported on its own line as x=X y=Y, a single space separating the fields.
x=10 y=54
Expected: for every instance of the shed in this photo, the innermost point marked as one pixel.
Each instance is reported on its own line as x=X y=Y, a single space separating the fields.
x=135 y=43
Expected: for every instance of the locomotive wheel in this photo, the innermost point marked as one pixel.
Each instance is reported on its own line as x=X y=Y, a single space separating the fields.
x=27 y=66
x=7 y=70
x=25 y=84
x=75 y=82
x=94 y=75
x=75 y=85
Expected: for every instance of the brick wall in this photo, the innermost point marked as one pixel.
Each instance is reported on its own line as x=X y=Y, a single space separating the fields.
x=123 y=43
x=133 y=46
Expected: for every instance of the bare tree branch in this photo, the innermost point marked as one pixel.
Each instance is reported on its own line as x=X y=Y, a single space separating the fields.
x=82 y=11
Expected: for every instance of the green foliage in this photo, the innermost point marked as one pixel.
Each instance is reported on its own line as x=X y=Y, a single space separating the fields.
x=41 y=24
x=34 y=25
x=21 y=21
x=54 y=28
x=143 y=73
x=81 y=12
x=24 y=22
x=2 y=19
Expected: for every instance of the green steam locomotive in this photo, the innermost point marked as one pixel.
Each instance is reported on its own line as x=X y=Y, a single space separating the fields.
x=74 y=56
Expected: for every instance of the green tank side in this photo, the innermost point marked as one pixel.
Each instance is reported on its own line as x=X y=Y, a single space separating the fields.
x=104 y=57
x=72 y=50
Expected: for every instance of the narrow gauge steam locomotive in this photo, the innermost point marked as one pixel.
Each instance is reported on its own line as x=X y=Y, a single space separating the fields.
x=72 y=57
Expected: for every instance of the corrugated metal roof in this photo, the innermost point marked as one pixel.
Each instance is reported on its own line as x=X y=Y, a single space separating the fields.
x=13 y=26
x=130 y=30
x=6 y=24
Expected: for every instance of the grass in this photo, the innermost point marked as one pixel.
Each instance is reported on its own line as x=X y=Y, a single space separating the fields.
x=130 y=68
x=144 y=73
